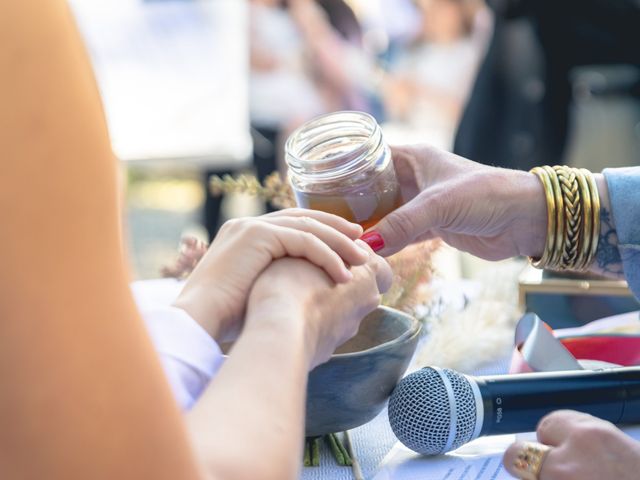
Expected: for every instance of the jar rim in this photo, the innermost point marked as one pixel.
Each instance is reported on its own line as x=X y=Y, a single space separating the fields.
x=315 y=149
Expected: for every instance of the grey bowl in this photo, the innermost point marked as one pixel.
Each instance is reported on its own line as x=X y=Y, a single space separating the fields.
x=353 y=386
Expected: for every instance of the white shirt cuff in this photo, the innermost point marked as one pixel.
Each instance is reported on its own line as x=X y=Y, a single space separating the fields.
x=190 y=357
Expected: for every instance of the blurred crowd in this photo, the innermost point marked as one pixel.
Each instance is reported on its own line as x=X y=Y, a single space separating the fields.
x=309 y=57
x=414 y=64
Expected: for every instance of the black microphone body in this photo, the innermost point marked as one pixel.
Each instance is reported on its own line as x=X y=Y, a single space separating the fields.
x=436 y=410
x=516 y=403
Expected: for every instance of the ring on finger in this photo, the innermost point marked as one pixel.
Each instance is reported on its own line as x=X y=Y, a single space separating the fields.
x=529 y=460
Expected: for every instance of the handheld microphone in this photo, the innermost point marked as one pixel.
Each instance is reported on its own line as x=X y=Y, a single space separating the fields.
x=435 y=410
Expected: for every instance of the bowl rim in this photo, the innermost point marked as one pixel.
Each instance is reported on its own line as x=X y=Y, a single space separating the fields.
x=414 y=330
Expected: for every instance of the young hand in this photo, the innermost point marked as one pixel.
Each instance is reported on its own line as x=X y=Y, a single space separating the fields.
x=293 y=290
x=216 y=292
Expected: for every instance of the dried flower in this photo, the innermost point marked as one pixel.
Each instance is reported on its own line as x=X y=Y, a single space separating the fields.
x=274 y=190
x=190 y=252
x=412 y=271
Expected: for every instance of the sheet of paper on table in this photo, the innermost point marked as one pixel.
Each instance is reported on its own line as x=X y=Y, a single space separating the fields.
x=478 y=460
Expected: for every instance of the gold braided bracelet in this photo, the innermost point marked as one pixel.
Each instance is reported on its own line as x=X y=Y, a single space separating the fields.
x=573 y=218
x=572 y=214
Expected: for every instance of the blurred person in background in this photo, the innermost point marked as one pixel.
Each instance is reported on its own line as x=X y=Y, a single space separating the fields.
x=302 y=54
x=398 y=23
x=519 y=113
x=306 y=59
x=428 y=83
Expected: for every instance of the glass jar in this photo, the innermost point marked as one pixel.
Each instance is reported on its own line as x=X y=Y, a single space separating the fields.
x=339 y=163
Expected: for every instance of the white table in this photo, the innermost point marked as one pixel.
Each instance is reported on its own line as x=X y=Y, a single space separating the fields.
x=173 y=75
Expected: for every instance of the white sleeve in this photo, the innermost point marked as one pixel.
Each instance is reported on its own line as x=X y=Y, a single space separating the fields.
x=190 y=357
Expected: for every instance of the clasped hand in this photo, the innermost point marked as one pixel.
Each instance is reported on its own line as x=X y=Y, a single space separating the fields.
x=303 y=262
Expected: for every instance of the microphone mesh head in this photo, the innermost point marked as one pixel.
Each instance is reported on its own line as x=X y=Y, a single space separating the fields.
x=432 y=411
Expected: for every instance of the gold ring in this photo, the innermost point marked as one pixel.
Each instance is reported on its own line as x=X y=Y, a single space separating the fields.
x=529 y=461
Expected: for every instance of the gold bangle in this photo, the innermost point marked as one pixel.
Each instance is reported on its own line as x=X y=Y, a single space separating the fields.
x=543 y=176
x=587 y=221
x=595 y=206
x=556 y=257
x=572 y=216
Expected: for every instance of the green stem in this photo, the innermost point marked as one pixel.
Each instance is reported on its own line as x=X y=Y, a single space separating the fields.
x=355 y=466
x=345 y=452
x=307 y=453
x=315 y=452
x=335 y=449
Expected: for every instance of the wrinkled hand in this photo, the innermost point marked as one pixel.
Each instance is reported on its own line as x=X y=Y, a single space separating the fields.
x=490 y=212
x=216 y=292
x=295 y=290
x=583 y=448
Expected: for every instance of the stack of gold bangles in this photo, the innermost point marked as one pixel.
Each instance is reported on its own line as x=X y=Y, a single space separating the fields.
x=573 y=218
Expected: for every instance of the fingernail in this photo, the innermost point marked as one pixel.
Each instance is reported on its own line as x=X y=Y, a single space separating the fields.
x=374 y=240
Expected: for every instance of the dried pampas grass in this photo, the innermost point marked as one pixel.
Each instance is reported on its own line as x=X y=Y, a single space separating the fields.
x=482 y=331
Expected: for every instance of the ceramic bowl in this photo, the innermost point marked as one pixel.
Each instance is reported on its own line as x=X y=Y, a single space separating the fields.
x=353 y=386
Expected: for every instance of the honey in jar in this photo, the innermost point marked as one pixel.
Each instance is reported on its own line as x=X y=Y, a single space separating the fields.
x=339 y=163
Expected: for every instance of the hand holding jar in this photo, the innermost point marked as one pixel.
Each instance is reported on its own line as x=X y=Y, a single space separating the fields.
x=339 y=163
x=493 y=213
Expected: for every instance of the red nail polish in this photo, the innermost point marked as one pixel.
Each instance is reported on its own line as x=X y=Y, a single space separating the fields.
x=374 y=240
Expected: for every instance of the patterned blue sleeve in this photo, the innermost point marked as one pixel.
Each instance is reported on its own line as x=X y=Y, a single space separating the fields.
x=624 y=193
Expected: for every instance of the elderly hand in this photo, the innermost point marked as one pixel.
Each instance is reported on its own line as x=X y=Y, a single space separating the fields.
x=295 y=290
x=215 y=294
x=582 y=447
x=490 y=212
